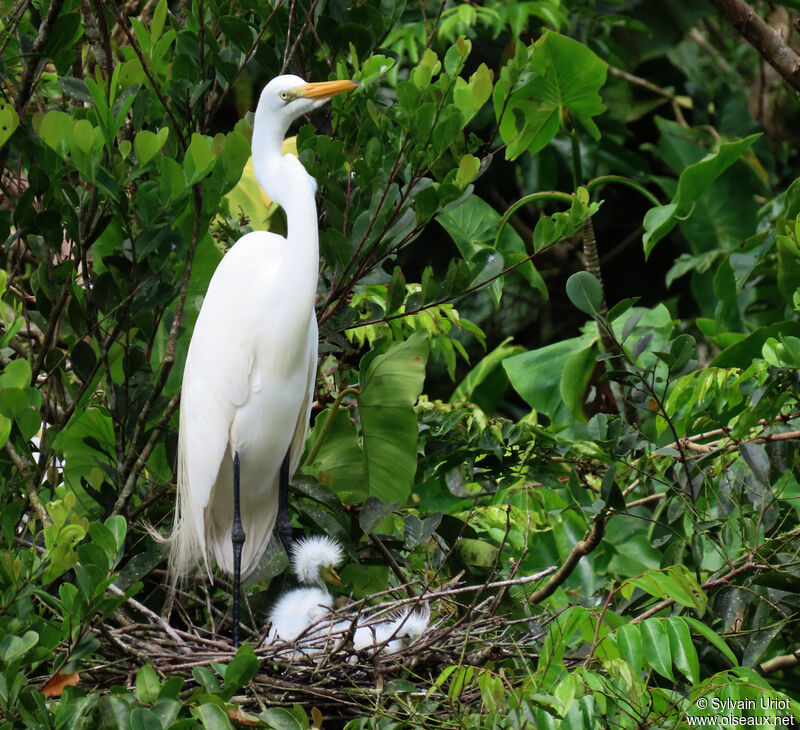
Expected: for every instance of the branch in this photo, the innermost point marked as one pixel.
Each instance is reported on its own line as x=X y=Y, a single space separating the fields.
x=779 y=663
x=766 y=40
x=34 y=56
x=583 y=547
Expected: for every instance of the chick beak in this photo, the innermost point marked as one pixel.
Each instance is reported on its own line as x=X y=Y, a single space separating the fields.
x=329 y=575
x=326 y=89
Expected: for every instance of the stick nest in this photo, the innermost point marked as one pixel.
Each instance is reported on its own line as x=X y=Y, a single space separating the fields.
x=321 y=668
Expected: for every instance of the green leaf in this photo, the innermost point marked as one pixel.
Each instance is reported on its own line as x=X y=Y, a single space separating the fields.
x=339 y=461
x=56 y=131
x=656 y=646
x=390 y=385
x=473 y=226
x=684 y=654
x=742 y=353
x=788 y=266
x=5 y=429
x=585 y=292
x=147 y=145
x=693 y=182
x=9 y=121
x=714 y=638
x=372 y=513
x=629 y=643
x=13 y=647
x=468 y=170
x=212 y=716
x=157 y=23
x=575 y=378
x=17 y=374
x=395 y=291
x=536 y=376
x=148 y=685
x=569 y=78
x=199 y=158
x=242 y=668
x=487 y=365
x=280 y=718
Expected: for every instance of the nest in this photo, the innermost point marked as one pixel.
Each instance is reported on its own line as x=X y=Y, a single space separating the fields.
x=321 y=669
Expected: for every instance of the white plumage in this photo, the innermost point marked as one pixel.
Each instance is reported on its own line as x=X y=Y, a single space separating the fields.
x=250 y=369
x=313 y=560
x=301 y=611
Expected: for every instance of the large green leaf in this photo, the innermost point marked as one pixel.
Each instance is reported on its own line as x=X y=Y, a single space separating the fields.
x=693 y=182
x=568 y=78
x=473 y=228
x=743 y=352
x=486 y=367
x=390 y=385
x=536 y=376
x=339 y=461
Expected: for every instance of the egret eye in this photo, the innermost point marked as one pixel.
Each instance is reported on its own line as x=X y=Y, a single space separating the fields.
x=285 y=96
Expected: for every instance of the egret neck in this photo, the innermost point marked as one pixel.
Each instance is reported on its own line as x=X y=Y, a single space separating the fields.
x=287 y=183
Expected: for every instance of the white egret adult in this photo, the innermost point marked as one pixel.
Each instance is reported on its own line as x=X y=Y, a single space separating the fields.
x=250 y=369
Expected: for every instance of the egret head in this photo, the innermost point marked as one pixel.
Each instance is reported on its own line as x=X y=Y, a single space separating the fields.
x=288 y=97
x=315 y=559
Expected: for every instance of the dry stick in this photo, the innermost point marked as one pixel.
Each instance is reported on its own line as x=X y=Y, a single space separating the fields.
x=247 y=56
x=704 y=43
x=150 y=614
x=724 y=430
x=766 y=40
x=288 y=36
x=303 y=28
x=606 y=339
x=105 y=41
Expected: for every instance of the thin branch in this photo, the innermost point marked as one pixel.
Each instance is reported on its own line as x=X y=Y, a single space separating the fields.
x=33 y=496
x=32 y=61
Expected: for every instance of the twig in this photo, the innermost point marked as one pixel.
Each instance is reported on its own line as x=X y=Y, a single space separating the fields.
x=33 y=496
x=150 y=614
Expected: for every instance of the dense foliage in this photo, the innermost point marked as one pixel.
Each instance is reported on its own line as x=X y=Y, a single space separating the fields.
x=559 y=308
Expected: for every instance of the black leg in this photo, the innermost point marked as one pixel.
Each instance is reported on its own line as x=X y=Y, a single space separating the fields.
x=284 y=523
x=237 y=538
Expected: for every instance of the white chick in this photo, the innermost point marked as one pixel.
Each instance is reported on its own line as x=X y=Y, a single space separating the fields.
x=314 y=562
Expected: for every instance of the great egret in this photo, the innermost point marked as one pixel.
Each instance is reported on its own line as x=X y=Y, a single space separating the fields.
x=250 y=369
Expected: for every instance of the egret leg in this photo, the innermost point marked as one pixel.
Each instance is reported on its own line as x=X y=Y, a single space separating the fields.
x=237 y=538
x=284 y=523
